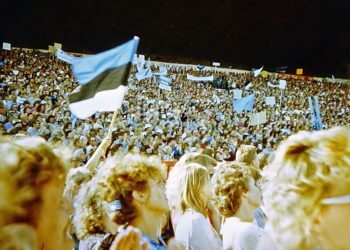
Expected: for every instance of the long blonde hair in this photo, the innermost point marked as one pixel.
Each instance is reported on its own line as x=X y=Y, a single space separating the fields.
x=304 y=168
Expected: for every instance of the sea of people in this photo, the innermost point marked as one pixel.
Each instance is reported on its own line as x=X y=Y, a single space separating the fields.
x=65 y=183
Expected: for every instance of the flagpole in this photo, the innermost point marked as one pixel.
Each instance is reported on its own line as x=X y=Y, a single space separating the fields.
x=112 y=123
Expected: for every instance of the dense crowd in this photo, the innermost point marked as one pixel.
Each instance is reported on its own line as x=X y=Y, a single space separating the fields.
x=66 y=184
x=192 y=117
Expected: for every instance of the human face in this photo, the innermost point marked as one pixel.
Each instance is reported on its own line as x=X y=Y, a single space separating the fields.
x=157 y=200
x=333 y=231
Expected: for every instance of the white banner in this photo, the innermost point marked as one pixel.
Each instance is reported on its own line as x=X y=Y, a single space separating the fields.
x=237 y=94
x=57 y=45
x=165 y=87
x=270 y=100
x=216 y=64
x=269 y=84
x=60 y=54
x=258 y=118
x=200 y=78
x=283 y=84
x=6 y=46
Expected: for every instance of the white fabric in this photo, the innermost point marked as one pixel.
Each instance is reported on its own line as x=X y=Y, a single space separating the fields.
x=195 y=232
x=240 y=235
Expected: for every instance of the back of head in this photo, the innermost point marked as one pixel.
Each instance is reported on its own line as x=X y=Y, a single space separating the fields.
x=230 y=182
x=246 y=154
x=305 y=168
x=28 y=166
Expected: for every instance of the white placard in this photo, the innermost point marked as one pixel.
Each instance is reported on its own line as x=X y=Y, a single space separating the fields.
x=283 y=84
x=270 y=100
x=237 y=94
x=216 y=64
x=57 y=45
x=258 y=118
x=6 y=46
x=165 y=87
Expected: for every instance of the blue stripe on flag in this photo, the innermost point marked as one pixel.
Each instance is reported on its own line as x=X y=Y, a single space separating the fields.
x=88 y=67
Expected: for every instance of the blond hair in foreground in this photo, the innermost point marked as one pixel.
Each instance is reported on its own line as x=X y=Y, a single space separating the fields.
x=304 y=169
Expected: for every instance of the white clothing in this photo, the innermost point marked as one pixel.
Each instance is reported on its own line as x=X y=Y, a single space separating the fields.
x=195 y=232
x=240 y=235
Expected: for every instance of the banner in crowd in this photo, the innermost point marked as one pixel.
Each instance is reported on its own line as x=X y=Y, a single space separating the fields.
x=165 y=87
x=103 y=80
x=237 y=94
x=162 y=71
x=63 y=56
x=200 y=78
x=270 y=100
x=245 y=103
x=269 y=84
x=57 y=45
x=165 y=80
x=143 y=74
x=258 y=118
x=6 y=46
x=283 y=84
x=257 y=71
x=216 y=64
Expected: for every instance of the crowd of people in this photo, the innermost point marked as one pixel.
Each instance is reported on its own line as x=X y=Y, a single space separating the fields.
x=66 y=183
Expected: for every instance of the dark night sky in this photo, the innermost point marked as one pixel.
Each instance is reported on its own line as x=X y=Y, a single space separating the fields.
x=312 y=34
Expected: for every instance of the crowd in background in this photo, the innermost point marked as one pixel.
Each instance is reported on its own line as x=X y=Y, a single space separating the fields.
x=192 y=117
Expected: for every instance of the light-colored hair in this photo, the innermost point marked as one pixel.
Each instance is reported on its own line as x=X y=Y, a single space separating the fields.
x=304 y=168
x=230 y=182
x=191 y=193
x=246 y=154
x=174 y=181
x=124 y=175
x=28 y=164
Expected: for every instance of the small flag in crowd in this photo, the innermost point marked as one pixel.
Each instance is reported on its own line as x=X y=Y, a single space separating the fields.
x=6 y=46
x=162 y=71
x=165 y=80
x=143 y=74
x=245 y=103
x=315 y=114
x=102 y=79
x=258 y=71
x=63 y=56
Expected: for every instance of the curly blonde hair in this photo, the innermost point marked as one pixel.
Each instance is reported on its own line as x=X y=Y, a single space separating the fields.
x=304 y=168
x=230 y=182
x=125 y=174
x=27 y=164
x=246 y=154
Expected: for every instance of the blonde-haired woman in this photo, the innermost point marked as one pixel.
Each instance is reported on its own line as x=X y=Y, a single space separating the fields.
x=133 y=187
x=32 y=211
x=308 y=188
x=194 y=230
x=237 y=197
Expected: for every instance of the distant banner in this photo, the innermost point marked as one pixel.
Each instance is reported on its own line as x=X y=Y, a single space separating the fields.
x=269 y=84
x=57 y=45
x=63 y=56
x=216 y=64
x=6 y=46
x=237 y=94
x=258 y=118
x=270 y=100
x=162 y=71
x=165 y=87
x=165 y=80
x=200 y=78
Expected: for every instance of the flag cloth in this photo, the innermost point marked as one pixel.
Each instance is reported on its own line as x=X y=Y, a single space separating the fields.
x=165 y=80
x=245 y=103
x=258 y=71
x=312 y=112
x=63 y=56
x=143 y=74
x=165 y=87
x=318 y=114
x=103 y=80
x=162 y=71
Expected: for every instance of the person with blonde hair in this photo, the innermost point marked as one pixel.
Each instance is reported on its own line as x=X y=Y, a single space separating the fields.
x=236 y=197
x=32 y=211
x=307 y=194
x=193 y=229
x=131 y=189
x=247 y=154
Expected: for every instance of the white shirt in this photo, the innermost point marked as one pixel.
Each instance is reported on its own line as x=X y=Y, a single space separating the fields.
x=240 y=235
x=195 y=232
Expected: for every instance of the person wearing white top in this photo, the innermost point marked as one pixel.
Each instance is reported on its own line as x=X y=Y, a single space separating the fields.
x=236 y=197
x=193 y=230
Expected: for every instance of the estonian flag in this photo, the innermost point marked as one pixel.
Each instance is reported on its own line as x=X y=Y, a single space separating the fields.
x=102 y=79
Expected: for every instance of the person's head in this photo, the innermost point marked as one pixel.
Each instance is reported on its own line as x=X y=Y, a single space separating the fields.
x=32 y=180
x=131 y=185
x=308 y=172
x=235 y=187
x=247 y=154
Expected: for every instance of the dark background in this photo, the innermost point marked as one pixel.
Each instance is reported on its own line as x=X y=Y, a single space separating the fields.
x=311 y=34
